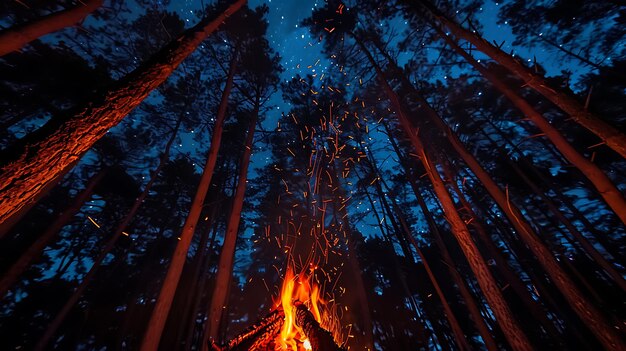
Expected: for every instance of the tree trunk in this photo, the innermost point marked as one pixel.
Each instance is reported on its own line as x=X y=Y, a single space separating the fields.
x=110 y=245
x=19 y=36
x=437 y=338
x=511 y=278
x=610 y=135
x=585 y=310
x=560 y=309
x=353 y=260
x=206 y=260
x=600 y=237
x=468 y=299
x=38 y=159
x=227 y=255
x=405 y=229
x=488 y=285
x=34 y=251
x=16 y=217
x=187 y=317
x=588 y=247
x=599 y=179
x=459 y=336
x=166 y=295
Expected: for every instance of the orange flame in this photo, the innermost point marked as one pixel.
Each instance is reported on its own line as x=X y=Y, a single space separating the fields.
x=297 y=288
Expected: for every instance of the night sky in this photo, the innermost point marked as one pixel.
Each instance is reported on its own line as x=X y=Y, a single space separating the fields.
x=302 y=55
x=478 y=145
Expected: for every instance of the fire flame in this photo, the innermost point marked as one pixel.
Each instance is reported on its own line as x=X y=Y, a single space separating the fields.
x=297 y=288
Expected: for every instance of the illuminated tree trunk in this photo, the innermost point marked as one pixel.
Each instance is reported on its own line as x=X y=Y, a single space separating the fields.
x=17 y=37
x=34 y=251
x=468 y=299
x=502 y=265
x=437 y=337
x=603 y=184
x=527 y=164
x=219 y=298
x=586 y=311
x=199 y=291
x=488 y=285
x=7 y=225
x=610 y=135
x=551 y=296
x=187 y=316
x=110 y=245
x=553 y=207
x=592 y=317
x=510 y=327
x=459 y=336
x=405 y=229
x=37 y=160
x=163 y=304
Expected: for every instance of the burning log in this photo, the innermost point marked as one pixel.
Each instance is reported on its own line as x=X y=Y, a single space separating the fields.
x=292 y=326
x=319 y=338
x=259 y=336
x=262 y=335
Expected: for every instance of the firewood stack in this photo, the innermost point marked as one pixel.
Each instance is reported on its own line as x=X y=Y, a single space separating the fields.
x=261 y=335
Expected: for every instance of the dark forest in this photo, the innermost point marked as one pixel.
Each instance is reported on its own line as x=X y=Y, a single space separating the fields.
x=312 y=175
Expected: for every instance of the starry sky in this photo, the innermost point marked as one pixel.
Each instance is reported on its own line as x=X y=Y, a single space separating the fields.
x=302 y=54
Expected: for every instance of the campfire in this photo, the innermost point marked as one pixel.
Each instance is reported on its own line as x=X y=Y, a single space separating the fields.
x=300 y=321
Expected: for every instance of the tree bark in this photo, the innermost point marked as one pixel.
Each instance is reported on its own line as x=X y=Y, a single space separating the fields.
x=16 y=217
x=459 y=336
x=17 y=37
x=502 y=265
x=600 y=237
x=468 y=299
x=591 y=316
x=405 y=229
x=560 y=308
x=34 y=251
x=37 y=160
x=162 y=307
x=598 y=178
x=227 y=256
x=587 y=246
x=609 y=135
x=110 y=245
x=511 y=328
x=586 y=311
